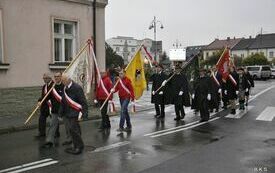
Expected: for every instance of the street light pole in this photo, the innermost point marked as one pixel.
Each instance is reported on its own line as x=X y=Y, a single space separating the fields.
x=154 y=25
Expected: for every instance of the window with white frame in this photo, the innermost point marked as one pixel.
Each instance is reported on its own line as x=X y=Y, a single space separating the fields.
x=271 y=54
x=1 y=39
x=65 y=33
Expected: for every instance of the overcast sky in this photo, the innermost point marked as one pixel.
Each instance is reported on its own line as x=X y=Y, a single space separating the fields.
x=192 y=22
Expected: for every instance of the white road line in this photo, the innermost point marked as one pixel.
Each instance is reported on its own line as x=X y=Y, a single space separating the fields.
x=182 y=129
x=35 y=166
x=108 y=147
x=26 y=165
x=260 y=93
x=267 y=114
x=239 y=114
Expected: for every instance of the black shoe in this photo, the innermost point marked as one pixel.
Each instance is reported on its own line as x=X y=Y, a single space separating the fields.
x=57 y=135
x=203 y=120
x=233 y=111
x=211 y=110
x=67 y=143
x=156 y=115
x=40 y=136
x=74 y=151
x=127 y=129
x=217 y=110
x=182 y=117
x=48 y=145
x=160 y=117
x=177 y=118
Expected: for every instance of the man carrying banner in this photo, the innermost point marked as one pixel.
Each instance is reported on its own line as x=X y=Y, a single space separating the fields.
x=74 y=107
x=203 y=95
x=232 y=88
x=55 y=98
x=243 y=87
x=251 y=84
x=180 y=91
x=158 y=98
x=103 y=90
x=126 y=94
x=45 y=106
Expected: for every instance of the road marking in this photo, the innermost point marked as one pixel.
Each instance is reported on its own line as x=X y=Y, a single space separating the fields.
x=182 y=129
x=112 y=146
x=239 y=114
x=29 y=166
x=260 y=93
x=267 y=114
x=167 y=109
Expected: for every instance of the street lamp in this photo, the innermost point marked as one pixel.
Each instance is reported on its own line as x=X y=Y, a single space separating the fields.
x=154 y=25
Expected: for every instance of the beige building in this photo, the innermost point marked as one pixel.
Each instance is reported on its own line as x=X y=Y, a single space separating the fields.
x=38 y=36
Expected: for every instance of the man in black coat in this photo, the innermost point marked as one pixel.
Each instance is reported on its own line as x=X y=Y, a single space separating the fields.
x=203 y=95
x=243 y=87
x=45 y=106
x=178 y=85
x=232 y=88
x=251 y=84
x=74 y=107
x=215 y=89
x=158 y=97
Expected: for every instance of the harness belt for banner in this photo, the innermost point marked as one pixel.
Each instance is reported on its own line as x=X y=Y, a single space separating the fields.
x=76 y=106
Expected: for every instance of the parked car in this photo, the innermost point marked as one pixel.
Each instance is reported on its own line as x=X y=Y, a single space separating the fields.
x=260 y=71
x=273 y=73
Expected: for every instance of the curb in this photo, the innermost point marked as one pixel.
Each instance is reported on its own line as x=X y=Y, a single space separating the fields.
x=19 y=128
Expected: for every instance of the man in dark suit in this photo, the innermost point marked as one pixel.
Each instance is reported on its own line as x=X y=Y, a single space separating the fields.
x=45 y=106
x=158 y=97
x=74 y=107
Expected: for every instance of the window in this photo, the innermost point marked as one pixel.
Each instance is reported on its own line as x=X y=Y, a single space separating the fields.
x=207 y=54
x=133 y=49
x=117 y=49
x=64 y=40
x=1 y=39
x=242 y=55
x=271 y=54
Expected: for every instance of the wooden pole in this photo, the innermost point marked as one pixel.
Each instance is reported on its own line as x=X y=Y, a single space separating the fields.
x=36 y=108
x=221 y=55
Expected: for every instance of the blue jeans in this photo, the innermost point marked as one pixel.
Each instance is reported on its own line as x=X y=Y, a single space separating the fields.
x=124 y=114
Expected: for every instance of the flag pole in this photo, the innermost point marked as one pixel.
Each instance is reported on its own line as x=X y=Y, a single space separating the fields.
x=221 y=55
x=44 y=98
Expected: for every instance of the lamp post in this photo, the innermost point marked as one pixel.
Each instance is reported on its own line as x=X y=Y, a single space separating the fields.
x=154 y=25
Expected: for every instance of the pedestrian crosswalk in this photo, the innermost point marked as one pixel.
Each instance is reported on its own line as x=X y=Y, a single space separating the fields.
x=267 y=115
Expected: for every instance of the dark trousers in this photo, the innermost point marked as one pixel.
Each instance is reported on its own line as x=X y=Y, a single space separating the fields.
x=160 y=109
x=75 y=132
x=204 y=109
x=42 y=122
x=105 y=123
x=179 y=110
x=124 y=114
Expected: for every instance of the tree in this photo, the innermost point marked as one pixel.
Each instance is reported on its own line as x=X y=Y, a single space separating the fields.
x=238 y=61
x=256 y=59
x=112 y=57
x=212 y=60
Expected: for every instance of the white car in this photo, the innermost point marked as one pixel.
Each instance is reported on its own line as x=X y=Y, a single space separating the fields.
x=273 y=73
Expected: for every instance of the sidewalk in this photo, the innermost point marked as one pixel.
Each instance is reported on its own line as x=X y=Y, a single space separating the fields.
x=13 y=114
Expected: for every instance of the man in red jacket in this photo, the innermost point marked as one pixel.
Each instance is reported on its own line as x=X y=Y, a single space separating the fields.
x=126 y=93
x=103 y=89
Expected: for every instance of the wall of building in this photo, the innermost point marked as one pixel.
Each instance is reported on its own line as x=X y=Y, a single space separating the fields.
x=28 y=37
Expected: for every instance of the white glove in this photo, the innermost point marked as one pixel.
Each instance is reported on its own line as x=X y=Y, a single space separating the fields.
x=60 y=119
x=220 y=91
x=160 y=93
x=193 y=96
x=237 y=92
x=80 y=116
x=164 y=83
x=112 y=90
x=225 y=92
x=153 y=92
x=95 y=101
x=246 y=90
x=209 y=97
x=180 y=93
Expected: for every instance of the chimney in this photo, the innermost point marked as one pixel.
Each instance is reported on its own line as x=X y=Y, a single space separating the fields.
x=228 y=38
x=234 y=37
x=250 y=37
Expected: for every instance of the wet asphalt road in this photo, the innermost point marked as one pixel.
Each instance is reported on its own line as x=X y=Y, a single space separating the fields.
x=225 y=144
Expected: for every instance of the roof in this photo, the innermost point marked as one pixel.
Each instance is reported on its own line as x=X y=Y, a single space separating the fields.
x=219 y=44
x=244 y=44
x=263 y=41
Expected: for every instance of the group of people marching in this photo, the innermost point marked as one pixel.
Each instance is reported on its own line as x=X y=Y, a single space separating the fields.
x=66 y=99
x=208 y=91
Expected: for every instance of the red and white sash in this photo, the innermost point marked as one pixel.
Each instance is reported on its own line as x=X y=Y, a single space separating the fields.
x=232 y=79
x=57 y=96
x=124 y=87
x=49 y=103
x=215 y=79
x=76 y=106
